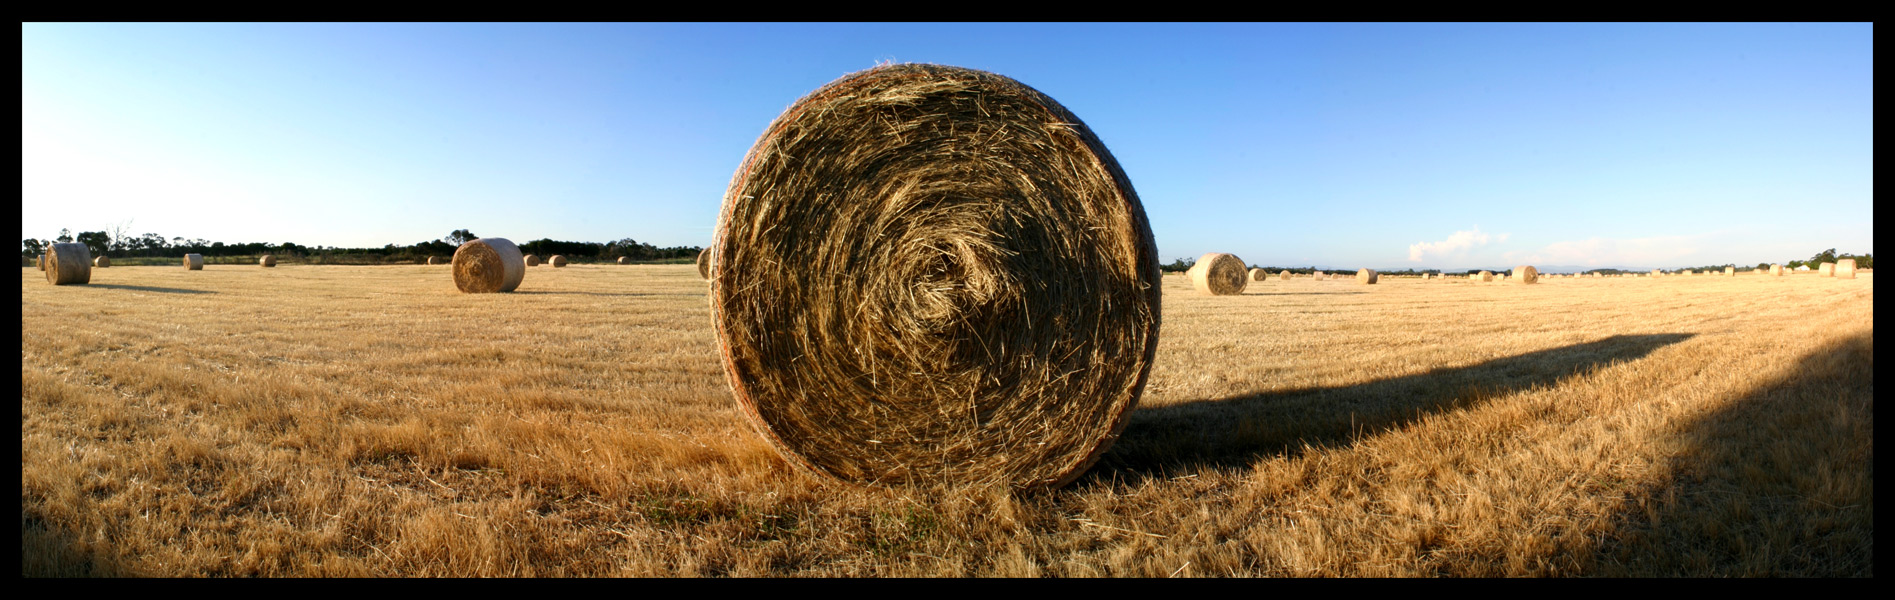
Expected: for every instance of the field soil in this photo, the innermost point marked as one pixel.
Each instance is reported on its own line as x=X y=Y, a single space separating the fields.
x=373 y=421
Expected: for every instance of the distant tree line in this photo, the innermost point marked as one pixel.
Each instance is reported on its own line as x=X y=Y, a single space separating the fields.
x=118 y=244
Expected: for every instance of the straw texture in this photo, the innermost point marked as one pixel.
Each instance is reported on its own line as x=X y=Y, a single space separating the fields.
x=488 y=265
x=194 y=262
x=68 y=263
x=933 y=274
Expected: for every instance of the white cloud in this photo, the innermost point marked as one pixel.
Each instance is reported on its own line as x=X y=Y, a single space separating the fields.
x=1456 y=245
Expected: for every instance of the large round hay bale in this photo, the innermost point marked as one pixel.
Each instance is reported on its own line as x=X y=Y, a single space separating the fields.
x=557 y=260
x=68 y=263
x=267 y=260
x=1259 y=275
x=1484 y=276
x=531 y=260
x=1367 y=276
x=1776 y=270
x=1526 y=274
x=1319 y=276
x=1827 y=269
x=1730 y=271
x=1283 y=276
x=704 y=263
x=1846 y=268
x=625 y=260
x=194 y=262
x=488 y=265
x=1218 y=274
x=101 y=261
x=933 y=274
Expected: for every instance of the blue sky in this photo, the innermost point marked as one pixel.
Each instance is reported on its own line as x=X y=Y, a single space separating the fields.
x=1343 y=145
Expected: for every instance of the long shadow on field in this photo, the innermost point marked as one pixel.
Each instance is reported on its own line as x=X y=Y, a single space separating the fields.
x=147 y=288
x=51 y=550
x=1779 y=483
x=626 y=294
x=1236 y=431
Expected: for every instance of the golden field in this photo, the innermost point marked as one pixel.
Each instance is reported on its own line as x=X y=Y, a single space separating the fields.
x=340 y=420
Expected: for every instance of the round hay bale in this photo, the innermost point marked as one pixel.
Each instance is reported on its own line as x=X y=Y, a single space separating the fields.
x=933 y=274
x=704 y=263
x=557 y=260
x=1526 y=274
x=488 y=265
x=1259 y=275
x=531 y=260
x=625 y=260
x=1367 y=276
x=194 y=262
x=1730 y=271
x=1828 y=269
x=267 y=260
x=1846 y=268
x=1319 y=275
x=1218 y=274
x=434 y=260
x=1484 y=276
x=1283 y=276
x=1776 y=270
x=101 y=261
x=68 y=263
x=42 y=262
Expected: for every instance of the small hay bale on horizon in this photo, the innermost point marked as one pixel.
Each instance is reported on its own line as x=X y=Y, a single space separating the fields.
x=625 y=260
x=194 y=262
x=434 y=260
x=531 y=260
x=557 y=260
x=1526 y=274
x=68 y=263
x=488 y=265
x=1259 y=275
x=704 y=263
x=267 y=260
x=1367 y=276
x=101 y=261
x=1283 y=275
x=1483 y=277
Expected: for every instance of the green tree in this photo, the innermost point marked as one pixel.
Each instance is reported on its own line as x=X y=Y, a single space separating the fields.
x=65 y=236
x=96 y=241
x=1822 y=257
x=30 y=247
x=460 y=236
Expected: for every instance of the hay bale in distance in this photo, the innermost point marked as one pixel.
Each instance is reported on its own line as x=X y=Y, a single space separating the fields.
x=1011 y=330
x=68 y=263
x=1218 y=274
x=625 y=260
x=1730 y=271
x=267 y=260
x=1283 y=276
x=1484 y=277
x=434 y=260
x=101 y=261
x=1367 y=276
x=1776 y=270
x=1846 y=268
x=557 y=260
x=1828 y=269
x=704 y=263
x=42 y=261
x=1259 y=275
x=531 y=260
x=488 y=265
x=1526 y=274
x=194 y=262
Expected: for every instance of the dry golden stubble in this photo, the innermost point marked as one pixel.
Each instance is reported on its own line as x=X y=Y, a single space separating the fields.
x=194 y=262
x=932 y=274
x=488 y=265
x=1218 y=274
x=68 y=263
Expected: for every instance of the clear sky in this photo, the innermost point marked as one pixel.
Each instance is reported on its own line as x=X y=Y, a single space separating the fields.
x=1342 y=145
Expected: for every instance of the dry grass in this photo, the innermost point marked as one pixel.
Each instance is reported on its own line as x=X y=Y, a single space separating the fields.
x=374 y=421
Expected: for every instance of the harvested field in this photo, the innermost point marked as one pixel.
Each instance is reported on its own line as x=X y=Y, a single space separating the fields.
x=336 y=420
